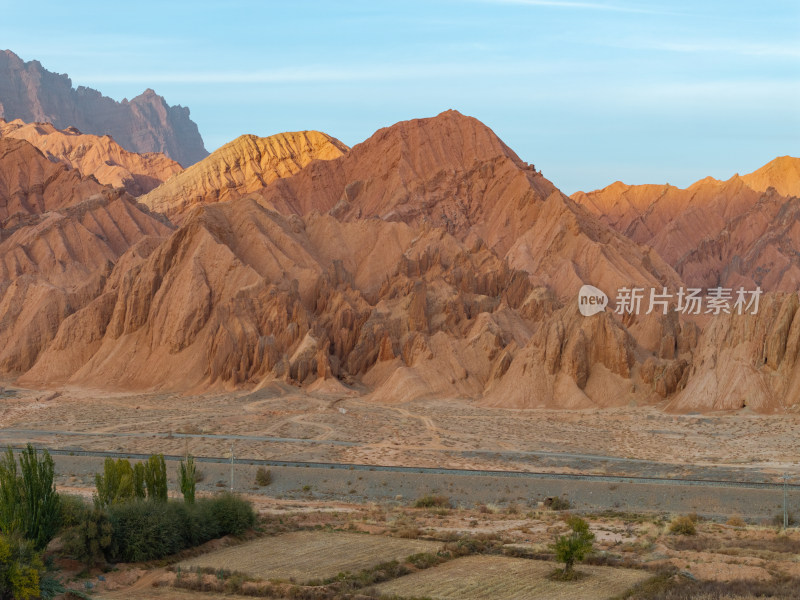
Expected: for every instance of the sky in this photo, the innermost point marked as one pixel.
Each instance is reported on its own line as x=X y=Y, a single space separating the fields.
x=589 y=91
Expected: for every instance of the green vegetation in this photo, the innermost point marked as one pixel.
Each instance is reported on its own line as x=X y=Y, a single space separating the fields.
x=140 y=530
x=188 y=476
x=683 y=525
x=29 y=504
x=574 y=546
x=21 y=569
x=116 y=484
x=263 y=477
x=433 y=501
x=558 y=503
x=89 y=540
x=150 y=530
x=155 y=478
x=138 y=481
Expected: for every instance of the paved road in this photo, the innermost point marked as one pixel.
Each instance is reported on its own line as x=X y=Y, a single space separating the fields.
x=612 y=479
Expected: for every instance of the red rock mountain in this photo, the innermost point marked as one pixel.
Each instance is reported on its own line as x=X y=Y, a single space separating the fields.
x=453 y=172
x=427 y=262
x=100 y=157
x=144 y=124
x=737 y=232
x=245 y=165
x=32 y=184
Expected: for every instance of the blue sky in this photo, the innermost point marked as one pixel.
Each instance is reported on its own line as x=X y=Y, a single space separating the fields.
x=589 y=91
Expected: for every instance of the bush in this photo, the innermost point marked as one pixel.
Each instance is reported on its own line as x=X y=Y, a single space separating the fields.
x=574 y=546
x=233 y=514
x=90 y=540
x=431 y=501
x=558 y=503
x=29 y=503
x=424 y=560
x=683 y=525
x=151 y=530
x=263 y=477
x=777 y=520
x=72 y=510
x=21 y=569
x=736 y=521
x=147 y=530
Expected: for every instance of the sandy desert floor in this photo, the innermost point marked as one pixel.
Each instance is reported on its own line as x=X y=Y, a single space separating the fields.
x=284 y=423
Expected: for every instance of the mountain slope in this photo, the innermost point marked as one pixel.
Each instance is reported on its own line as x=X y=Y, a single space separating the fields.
x=731 y=233
x=453 y=172
x=244 y=165
x=100 y=157
x=782 y=173
x=31 y=184
x=57 y=263
x=144 y=124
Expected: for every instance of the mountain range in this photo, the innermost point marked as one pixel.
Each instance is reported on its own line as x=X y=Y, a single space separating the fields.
x=428 y=261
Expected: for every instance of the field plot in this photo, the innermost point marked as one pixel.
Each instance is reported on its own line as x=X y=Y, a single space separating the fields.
x=306 y=555
x=501 y=578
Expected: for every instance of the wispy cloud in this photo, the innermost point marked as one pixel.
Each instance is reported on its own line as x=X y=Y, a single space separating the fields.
x=735 y=47
x=325 y=74
x=569 y=4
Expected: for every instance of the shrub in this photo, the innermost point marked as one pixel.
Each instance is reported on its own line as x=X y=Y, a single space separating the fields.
x=72 y=510
x=147 y=530
x=263 y=477
x=424 y=560
x=432 y=501
x=151 y=530
x=90 y=540
x=778 y=519
x=21 y=569
x=29 y=503
x=233 y=514
x=683 y=525
x=558 y=503
x=736 y=521
x=574 y=546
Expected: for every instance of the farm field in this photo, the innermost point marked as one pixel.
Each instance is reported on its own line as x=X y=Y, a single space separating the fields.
x=307 y=555
x=502 y=578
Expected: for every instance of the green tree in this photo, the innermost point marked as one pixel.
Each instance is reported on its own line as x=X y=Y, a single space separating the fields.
x=116 y=484
x=138 y=481
x=155 y=477
x=21 y=569
x=10 y=494
x=29 y=503
x=188 y=479
x=574 y=546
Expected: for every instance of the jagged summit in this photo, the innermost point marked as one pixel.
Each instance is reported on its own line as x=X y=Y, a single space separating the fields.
x=146 y=123
x=782 y=173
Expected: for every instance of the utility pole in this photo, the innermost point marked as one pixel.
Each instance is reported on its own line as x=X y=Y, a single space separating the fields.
x=785 y=512
x=231 y=468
